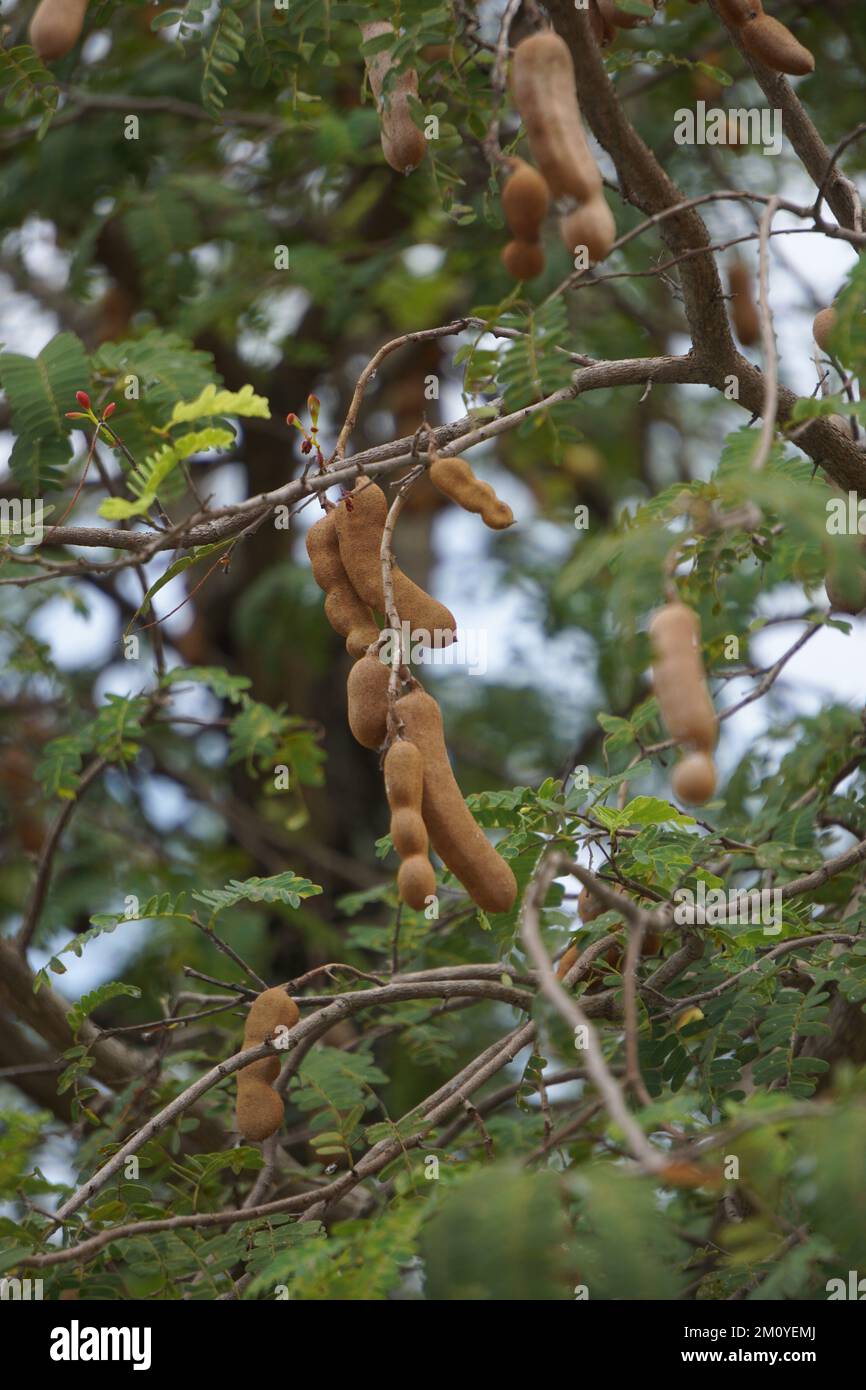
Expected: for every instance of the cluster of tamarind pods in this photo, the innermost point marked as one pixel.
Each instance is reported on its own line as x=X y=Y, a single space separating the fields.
x=426 y=804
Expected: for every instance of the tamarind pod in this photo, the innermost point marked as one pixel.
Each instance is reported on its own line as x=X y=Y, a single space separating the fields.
x=542 y=82
x=772 y=43
x=404 y=787
x=694 y=779
x=360 y=520
x=454 y=832
x=455 y=478
x=525 y=200
x=592 y=226
x=403 y=144
x=566 y=962
x=744 y=310
x=848 y=598
x=344 y=610
x=416 y=881
x=678 y=677
x=259 y=1110
x=56 y=27
x=523 y=259
x=590 y=906
x=367 y=700
x=822 y=326
x=739 y=12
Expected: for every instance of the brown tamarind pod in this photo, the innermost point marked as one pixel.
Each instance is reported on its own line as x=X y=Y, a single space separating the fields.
x=694 y=779
x=650 y=946
x=744 y=310
x=259 y=1110
x=772 y=43
x=360 y=519
x=566 y=962
x=403 y=144
x=543 y=85
x=404 y=788
x=523 y=259
x=525 y=200
x=739 y=12
x=590 y=225
x=343 y=609
x=822 y=326
x=678 y=677
x=367 y=700
x=454 y=832
x=56 y=27
x=590 y=906
x=455 y=478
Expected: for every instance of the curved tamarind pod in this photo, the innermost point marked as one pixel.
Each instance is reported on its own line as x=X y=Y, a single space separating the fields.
x=523 y=259
x=822 y=326
x=404 y=788
x=403 y=144
x=694 y=779
x=367 y=700
x=56 y=27
x=259 y=1110
x=360 y=519
x=343 y=609
x=525 y=200
x=542 y=82
x=678 y=677
x=455 y=478
x=592 y=226
x=744 y=310
x=739 y=12
x=454 y=832
x=772 y=43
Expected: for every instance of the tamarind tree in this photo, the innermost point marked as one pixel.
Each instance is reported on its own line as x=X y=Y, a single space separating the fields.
x=578 y=1005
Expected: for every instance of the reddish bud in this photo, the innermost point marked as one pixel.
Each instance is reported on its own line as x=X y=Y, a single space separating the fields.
x=306 y=447
x=83 y=399
x=75 y=415
x=109 y=410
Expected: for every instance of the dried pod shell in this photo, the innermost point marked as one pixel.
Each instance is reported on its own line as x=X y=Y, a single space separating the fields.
x=542 y=83
x=744 y=310
x=259 y=1110
x=523 y=259
x=525 y=200
x=679 y=679
x=360 y=520
x=454 y=832
x=694 y=779
x=592 y=226
x=404 y=787
x=822 y=326
x=343 y=608
x=367 y=700
x=455 y=478
x=56 y=27
x=772 y=43
x=403 y=144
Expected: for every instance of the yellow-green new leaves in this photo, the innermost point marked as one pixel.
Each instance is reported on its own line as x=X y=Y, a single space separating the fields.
x=212 y=401
x=146 y=480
